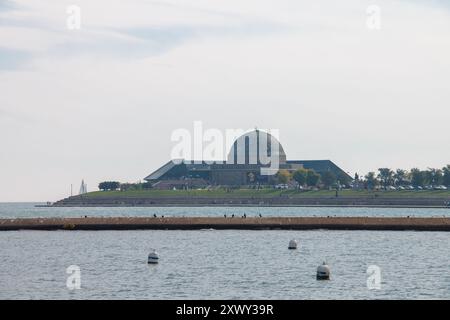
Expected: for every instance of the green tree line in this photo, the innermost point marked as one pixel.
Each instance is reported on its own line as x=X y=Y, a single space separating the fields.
x=415 y=177
x=310 y=178
x=115 y=185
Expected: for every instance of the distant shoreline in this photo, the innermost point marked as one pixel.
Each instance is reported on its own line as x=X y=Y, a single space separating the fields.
x=245 y=206
x=236 y=223
x=260 y=198
x=236 y=201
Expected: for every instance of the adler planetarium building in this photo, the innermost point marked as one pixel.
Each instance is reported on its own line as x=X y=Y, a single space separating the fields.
x=245 y=165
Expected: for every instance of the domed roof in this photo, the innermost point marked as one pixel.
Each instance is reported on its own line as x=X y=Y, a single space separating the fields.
x=256 y=147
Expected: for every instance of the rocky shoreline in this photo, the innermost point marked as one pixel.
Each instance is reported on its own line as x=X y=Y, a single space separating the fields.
x=386 y=202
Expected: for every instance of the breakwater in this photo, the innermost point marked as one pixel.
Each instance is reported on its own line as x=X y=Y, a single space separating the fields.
x=196 y=223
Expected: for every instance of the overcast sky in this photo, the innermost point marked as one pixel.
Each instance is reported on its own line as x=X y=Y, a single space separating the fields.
x=101 y=102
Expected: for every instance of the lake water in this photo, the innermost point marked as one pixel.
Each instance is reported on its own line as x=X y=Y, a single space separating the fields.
x=226 y=264
x=28 y=210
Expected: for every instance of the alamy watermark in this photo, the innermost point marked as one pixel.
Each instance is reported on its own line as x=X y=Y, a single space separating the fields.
x=374 y=279
x=244 y=147
x=73 y=281
x=73 y=21
x=373 y=21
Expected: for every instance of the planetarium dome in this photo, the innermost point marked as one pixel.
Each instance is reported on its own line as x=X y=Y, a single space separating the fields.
x=256 y=147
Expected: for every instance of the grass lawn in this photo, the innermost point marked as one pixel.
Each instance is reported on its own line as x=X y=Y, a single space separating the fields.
x=270 y=193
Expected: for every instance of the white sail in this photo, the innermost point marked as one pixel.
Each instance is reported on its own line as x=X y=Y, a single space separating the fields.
x=83 y=187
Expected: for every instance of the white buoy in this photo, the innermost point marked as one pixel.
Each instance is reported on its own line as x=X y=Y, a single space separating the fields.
x=153 y=257
x=293 y=244
x=323 y=272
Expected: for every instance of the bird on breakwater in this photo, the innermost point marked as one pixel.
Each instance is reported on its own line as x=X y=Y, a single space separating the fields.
x=224 y=215
x=260 y=215
x=232 y=215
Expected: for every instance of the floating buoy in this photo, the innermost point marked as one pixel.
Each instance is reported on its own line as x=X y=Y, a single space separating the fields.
x=153 y=257
x=293 y=244
x=323 y=272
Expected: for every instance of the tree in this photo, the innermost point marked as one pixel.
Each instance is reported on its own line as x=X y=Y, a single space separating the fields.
x=417 y=177
x=343 y=179
x=385 y=175
x=328 y=178
x=127 y=186
x=371 y=180
x=103 y=186
x=283 y=176
x=400 y=177
x=312 y=178
x=434 y=176
x=147 y=185
x=300 y=176
x=251 y=177
x=109 y=185
x=446 y=175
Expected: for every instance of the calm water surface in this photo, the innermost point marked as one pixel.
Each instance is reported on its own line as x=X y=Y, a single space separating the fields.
x=228 y=264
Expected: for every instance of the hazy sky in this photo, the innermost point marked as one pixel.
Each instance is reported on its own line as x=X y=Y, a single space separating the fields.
x=101 y=102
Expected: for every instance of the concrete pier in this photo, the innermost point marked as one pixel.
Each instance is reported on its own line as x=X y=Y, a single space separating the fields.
x=197 y=223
